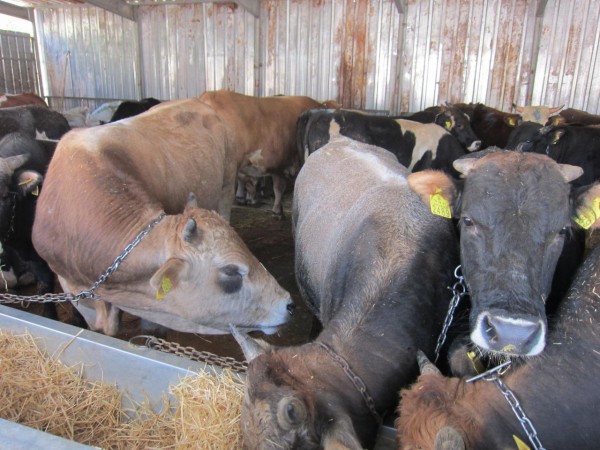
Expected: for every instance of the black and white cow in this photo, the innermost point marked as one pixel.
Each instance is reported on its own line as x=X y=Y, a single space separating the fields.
x=374 y=266
x=453 y=120
x=417 y=146
x=514 y=212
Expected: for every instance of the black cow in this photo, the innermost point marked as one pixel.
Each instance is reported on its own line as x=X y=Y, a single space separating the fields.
x=452 y=120
x=417 y=146
x=491 y=125
x=558 y=391
x=23 y=161
x=566 y=144
x=374 y=266
x=514 y=212
x=33 y=121
x=130 y=108
x=571 y=116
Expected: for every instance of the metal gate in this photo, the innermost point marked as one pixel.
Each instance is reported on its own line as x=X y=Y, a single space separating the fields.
x=18 y=70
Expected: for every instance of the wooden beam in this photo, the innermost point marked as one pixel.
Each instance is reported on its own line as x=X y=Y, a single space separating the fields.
x=15 y=11
x=116 y=7
x=401 y=5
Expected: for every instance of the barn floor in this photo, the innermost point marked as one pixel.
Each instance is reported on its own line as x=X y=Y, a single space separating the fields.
x=271 y=242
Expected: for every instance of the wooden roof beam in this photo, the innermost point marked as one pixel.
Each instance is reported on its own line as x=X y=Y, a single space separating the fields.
x=116 y=7
x=14 y=11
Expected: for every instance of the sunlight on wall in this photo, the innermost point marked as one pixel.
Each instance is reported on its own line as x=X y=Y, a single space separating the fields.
x=11 y=23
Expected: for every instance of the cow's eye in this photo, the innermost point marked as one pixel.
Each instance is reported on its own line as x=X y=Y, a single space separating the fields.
x=467 y=221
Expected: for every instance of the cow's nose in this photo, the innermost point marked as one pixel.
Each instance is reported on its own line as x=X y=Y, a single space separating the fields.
x=509 y=335
x=291 y=307
x=475 y=145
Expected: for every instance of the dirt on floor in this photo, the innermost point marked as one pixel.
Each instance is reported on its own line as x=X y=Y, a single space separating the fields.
x=272 y=243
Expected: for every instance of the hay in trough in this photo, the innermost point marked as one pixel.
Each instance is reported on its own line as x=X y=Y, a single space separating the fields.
x=42 y=393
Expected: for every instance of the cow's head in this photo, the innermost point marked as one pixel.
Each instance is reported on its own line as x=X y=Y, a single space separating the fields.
x=287 y=403
x=458 y=123
x=514 y=212
x=211 y=279
x=539 y=114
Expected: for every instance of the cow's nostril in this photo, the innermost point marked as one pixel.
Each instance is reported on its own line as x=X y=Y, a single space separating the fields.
x=508 y=335
x=291 y=307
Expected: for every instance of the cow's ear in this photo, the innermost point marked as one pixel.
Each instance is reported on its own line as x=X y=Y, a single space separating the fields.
x=250 y=347
x=556 y=136
x=340 y=435
x=586 y=210
x=436 y=189
x=512 y=121
x=29 y=182
x=167 y=277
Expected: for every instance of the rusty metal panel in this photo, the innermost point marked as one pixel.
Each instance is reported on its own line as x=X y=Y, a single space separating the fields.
x=87 y=52
x=327 y=49
x=191 y=48
x=568 y=69
x=17 y=63
x=467 y=50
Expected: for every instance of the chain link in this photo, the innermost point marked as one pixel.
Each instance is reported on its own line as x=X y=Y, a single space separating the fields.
x=525 y=422
x=190 y=353
x=357 y=381
x=89 y=294
x=494 y=375
x=459 y=290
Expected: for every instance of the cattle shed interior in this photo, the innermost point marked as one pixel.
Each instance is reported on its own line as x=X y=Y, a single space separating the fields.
x=388 y=56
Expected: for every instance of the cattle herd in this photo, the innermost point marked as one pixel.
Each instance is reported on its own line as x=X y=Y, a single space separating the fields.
x=388 y=213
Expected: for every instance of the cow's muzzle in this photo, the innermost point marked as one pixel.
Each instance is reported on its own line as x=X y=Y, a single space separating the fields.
x=514 y=336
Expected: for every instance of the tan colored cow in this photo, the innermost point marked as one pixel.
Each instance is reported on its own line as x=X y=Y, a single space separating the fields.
x=264 y=129
x=191 y=272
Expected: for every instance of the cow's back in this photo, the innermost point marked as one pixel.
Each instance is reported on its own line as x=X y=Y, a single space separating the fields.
x=357 y=223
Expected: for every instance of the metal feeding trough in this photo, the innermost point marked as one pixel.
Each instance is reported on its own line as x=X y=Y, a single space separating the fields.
x=143 y=373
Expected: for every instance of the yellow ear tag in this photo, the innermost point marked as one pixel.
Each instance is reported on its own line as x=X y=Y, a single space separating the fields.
x=586 y=218
x=520 y=444
x=165 y=287
x=36 y=191
x=476 y=362
x=448 y=124
x=439 y=205
x=556 y=138
x=512 y=122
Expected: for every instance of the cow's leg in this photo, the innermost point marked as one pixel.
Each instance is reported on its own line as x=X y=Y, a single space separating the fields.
x=226 y=200
x=240 y=192
x=279 y=184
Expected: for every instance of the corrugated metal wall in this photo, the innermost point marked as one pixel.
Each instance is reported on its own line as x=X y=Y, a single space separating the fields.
x=18 y=72
x=363 y=53
x=191 y=48
x=88 y=53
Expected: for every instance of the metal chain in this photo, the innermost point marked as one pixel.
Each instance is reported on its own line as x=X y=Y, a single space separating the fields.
x=90 y=294
x=357 y=381
x=494 y=375
x=190 y=353
x=459 y=290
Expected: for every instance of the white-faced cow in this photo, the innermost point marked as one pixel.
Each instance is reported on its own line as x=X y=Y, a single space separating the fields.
x=191 y=272
x=539 y=114
x=417 y=146
x=374 y=265
x=264 y=131
x=514 y=212
x=452 y=120
x=558 y=391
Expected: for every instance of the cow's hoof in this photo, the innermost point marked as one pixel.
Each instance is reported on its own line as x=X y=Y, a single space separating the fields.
x=240 y=200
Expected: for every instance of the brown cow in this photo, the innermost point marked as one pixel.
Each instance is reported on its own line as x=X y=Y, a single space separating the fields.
x=264 y=129
x=537 y=114
x=557 y=391
x=191 y=272
x=26 y=98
